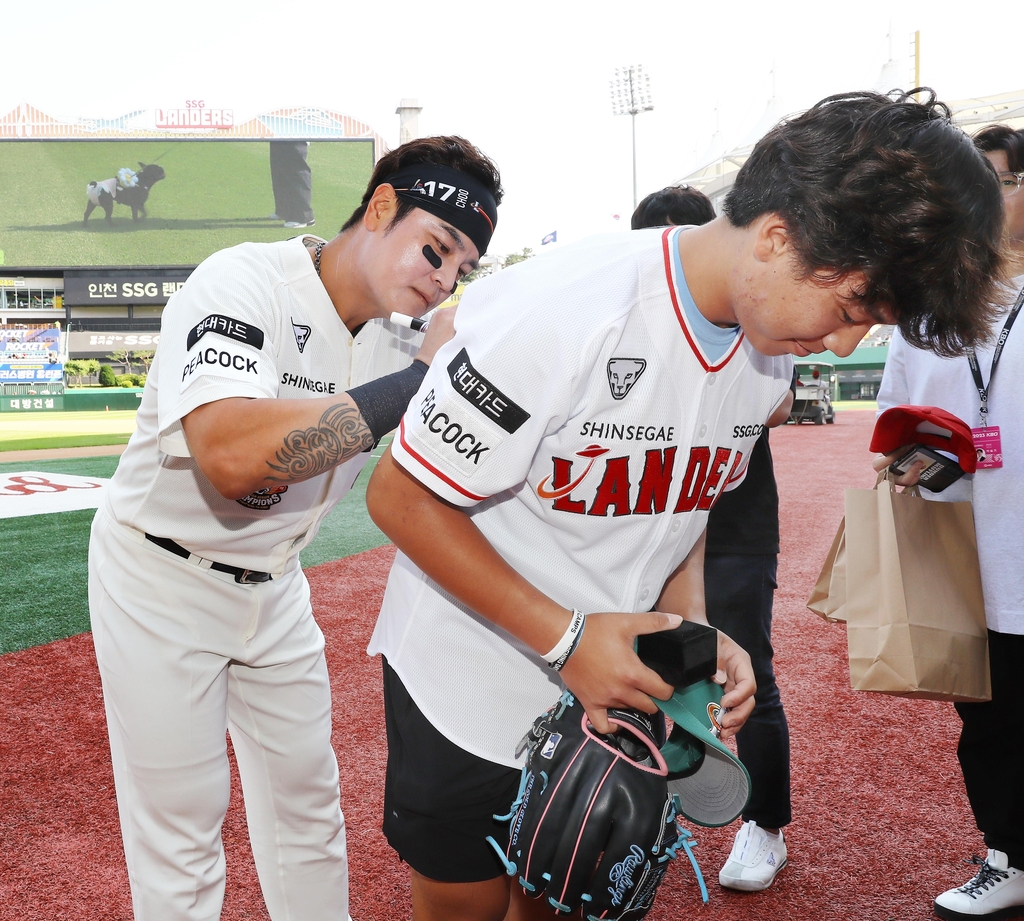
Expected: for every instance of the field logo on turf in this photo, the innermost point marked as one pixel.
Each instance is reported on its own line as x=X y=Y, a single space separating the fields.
x=29 y=485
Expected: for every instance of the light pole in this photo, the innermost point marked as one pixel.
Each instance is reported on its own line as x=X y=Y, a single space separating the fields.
x=631 y=93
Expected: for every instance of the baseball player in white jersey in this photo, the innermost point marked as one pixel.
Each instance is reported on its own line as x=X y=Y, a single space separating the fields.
x=274 y=376
x=549 y=485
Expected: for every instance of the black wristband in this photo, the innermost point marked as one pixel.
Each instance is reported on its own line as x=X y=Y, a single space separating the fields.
x=383 y=402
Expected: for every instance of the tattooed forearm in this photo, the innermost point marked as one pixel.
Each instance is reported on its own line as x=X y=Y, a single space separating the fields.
x=340 y=434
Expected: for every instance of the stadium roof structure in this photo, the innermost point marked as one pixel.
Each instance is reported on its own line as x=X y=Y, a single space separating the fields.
x=718 y=172
x=26 y=122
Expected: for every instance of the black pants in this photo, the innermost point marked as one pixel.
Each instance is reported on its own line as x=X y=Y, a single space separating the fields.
x=739 y=589
x=991 y=750
x=292 y=180
x=440 y=800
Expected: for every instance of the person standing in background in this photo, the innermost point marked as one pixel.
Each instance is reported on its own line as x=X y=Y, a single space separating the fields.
x=673 y=206
x=984 y=389
x=292 y=180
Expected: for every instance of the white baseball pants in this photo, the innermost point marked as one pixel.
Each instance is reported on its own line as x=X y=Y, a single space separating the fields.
x=185 y=654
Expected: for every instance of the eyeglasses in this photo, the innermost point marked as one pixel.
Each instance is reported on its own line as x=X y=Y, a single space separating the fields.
x=1009 y=183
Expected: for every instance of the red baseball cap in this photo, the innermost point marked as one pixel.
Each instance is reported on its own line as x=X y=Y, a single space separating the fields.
x=926 y=425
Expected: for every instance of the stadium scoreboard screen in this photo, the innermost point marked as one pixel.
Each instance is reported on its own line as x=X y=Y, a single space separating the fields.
x=212 y=194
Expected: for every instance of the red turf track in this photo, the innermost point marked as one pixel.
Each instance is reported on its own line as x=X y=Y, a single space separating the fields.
x=881 y=821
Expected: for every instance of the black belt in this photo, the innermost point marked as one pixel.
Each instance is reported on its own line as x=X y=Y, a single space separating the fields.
x=242 y=576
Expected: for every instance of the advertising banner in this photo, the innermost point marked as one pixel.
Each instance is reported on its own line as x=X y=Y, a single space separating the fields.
x=33 y=404
x=89 y=344
x=97 y=287
x=30 y=356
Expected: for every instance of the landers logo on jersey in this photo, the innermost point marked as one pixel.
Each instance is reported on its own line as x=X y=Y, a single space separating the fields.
x=301 y=334
x=623 y=373
x=473 y=387
x=264 y=498
x=227 y=327
x=607 y=486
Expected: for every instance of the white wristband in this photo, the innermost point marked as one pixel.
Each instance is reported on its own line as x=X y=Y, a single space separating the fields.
x=566 y=646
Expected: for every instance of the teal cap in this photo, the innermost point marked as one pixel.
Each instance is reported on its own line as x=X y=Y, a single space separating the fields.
x=712 y=784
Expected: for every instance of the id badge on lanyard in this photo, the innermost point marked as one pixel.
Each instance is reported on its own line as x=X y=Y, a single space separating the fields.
x=989 y=446
x=987 y=441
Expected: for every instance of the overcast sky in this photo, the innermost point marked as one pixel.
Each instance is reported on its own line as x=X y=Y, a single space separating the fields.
x=528 y=82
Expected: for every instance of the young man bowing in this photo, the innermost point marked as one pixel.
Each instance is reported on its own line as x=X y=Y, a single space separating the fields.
x=551 y=481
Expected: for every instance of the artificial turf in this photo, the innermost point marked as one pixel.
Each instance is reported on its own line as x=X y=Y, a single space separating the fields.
x=44 y=579
x=47 y=442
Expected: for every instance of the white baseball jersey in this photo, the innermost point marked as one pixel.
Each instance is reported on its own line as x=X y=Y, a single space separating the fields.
x=576 y=419
x=252 y=321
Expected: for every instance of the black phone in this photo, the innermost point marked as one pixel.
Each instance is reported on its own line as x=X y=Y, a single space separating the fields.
x=941 y=471
x=680 y=656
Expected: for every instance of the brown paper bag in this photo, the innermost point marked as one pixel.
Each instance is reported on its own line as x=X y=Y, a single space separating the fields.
x=915 y=615
x=829 y=594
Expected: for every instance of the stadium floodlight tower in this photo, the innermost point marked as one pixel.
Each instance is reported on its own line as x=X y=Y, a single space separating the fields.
x=631 y=93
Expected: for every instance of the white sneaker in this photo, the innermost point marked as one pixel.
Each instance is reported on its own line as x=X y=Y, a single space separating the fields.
x=996 y=892
x=755 y=859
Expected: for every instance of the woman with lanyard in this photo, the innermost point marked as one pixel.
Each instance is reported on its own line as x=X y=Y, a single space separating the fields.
x=984 y=389
x=275 y=375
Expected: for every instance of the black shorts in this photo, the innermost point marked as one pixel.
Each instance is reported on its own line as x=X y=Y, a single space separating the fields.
x=439 y=800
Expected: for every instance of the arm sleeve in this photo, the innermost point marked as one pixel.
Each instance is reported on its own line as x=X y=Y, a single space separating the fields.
x=217 y=339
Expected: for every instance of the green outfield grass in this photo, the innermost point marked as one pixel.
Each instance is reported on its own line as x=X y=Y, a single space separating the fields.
x=215 y=194
x=36 y=431
x=44 y=579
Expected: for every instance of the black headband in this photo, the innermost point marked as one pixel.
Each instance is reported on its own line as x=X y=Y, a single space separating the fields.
x=451 y=195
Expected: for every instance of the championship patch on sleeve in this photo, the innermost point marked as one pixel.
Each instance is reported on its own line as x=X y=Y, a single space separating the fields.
x=476 y=390
x=227 y=327
x=448 y=432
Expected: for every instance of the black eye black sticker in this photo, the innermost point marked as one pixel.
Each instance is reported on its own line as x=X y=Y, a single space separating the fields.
x=431 y=256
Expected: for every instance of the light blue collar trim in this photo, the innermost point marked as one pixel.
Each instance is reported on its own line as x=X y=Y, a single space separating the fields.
x=714 y=340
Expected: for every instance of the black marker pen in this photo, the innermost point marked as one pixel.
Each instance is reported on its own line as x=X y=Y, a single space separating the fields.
x=401 y=319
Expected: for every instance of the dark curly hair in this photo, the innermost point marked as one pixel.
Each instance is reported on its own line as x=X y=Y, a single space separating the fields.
x=675 y=204
x=886 y=185
x=451 y=151
x=1006 y=139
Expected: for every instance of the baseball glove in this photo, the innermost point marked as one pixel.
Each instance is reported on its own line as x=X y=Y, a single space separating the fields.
x=593 y=824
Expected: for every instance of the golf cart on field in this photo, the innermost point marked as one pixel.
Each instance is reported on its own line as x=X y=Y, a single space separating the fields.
x=813 y=401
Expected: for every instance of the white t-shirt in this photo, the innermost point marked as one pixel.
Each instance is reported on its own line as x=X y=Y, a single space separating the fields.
x=252 y=321
x=919 y=378
x=577 y=421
